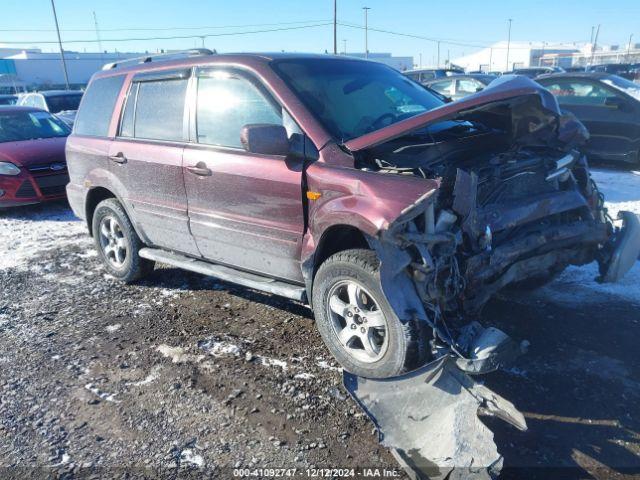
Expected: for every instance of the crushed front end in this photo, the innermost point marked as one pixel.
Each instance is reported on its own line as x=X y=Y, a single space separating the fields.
x=515 y=207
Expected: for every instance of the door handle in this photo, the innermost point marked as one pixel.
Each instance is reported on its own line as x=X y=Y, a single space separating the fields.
x=199 y=169
x=118 y=158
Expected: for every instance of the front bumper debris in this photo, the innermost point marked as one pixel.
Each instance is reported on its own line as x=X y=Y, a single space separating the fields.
x=625 y=249
x=429 y=420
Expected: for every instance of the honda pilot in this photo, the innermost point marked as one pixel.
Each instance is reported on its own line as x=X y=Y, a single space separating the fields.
x=343 y=184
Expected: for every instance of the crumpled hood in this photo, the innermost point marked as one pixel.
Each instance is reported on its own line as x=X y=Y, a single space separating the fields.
x=500 y=91
x=32 y=152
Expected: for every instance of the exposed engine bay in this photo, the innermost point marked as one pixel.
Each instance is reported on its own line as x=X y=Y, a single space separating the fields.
x=515 y=207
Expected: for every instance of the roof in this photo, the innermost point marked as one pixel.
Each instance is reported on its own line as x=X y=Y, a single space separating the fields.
x=477 y=76
x=596 y=75
x=17 y=108
x=55 y=93
x=192 y=60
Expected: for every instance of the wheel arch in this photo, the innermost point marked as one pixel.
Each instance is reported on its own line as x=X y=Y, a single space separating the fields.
x=334 y=239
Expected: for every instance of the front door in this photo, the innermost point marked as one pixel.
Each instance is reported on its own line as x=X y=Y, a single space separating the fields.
x=610 y=117
x=245 y=210
x=147 y=159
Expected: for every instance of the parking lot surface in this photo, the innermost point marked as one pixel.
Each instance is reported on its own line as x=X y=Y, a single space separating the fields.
x=182 y=373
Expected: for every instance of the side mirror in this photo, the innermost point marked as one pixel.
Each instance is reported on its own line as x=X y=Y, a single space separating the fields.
x=265 y=139
x=615 y=102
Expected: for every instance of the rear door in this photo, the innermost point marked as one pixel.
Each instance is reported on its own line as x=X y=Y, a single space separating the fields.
x=611 y=118
x=147 y=157
x=245 y=210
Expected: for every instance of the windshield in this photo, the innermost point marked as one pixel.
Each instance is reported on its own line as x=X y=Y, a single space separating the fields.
x=8 y=100
x=60 y=103
x=622 y=84
x=19 y=126
x=352 y=98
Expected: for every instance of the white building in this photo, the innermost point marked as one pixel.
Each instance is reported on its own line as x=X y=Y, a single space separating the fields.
x=399 y=63
x=521 y=54
x=37 y=70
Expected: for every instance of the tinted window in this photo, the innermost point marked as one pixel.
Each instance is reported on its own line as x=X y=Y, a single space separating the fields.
x=38 y=102
x=18 y=126
x=468 y=85
x=351 y=97
x=97 y=106
x=226 y=103
x=160 y=110
x=62 y=103
x=444 y=87
x=578 y=92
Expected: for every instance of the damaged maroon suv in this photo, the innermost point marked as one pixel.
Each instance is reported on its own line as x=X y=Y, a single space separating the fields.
x=341 y=183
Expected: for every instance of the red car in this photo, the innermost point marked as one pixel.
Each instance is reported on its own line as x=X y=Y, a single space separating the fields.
x=33 y=168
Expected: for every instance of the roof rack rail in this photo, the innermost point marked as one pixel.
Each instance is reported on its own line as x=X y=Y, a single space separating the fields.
x=160 y=57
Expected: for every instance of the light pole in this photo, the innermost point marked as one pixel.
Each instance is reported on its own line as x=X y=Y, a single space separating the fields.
x=509 y=43
x=366 y=31
x=335 y=27
x=629 y=48
x=438 y=65
x=64 y=63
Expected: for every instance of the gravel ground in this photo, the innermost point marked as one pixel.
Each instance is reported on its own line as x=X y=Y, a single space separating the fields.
x=182 y=375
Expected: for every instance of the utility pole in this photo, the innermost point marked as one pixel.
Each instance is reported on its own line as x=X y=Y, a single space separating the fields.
x=438 y=54
x=344 y=43
x=509 y=43
x=366 y=31
x=64 y=63
x=629 y=48
x=202 y=37
x=544 y=44
x=595 y=44
x=420 y=66
x=95 y=23
x=490 y=59
x=335 y=27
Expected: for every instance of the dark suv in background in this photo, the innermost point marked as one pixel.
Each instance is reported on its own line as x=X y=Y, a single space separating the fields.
x=341 y=183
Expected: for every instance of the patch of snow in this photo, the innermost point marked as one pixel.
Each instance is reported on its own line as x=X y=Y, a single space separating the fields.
x=109 y=397
x=621 y=189
x=178 y=355
x=188 y=456
x=272 y=362
x=220 y=348
x=304 y=376
x=29 y=231
x=113 y=328
x=577 y=285
x=325 y=365
x=152 y=377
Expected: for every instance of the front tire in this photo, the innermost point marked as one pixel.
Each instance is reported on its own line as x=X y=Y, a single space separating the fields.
x=118 y=243
x=355 y=319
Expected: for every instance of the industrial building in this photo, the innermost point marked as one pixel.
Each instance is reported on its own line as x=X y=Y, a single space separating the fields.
x=31 y=69
x=534 y=54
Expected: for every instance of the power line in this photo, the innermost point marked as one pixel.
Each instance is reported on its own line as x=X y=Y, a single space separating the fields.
x=172 y=37
x=444 y=41
x=159 y=29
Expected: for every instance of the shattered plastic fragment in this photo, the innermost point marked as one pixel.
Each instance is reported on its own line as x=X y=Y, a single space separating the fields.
x=429 y=419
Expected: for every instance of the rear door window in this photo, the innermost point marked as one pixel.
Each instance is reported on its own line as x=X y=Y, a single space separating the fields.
x=227 y=102
x=96 y=109
x=579 y=92
x=159 y=110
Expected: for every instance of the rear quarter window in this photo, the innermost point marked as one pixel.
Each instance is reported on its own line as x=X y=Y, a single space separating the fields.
x=96 y=109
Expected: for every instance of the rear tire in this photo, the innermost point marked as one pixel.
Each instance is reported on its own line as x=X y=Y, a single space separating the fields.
x=356 y=321
x=118 y=243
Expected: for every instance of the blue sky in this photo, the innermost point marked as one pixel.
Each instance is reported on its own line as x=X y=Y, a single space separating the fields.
x=464 y=21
